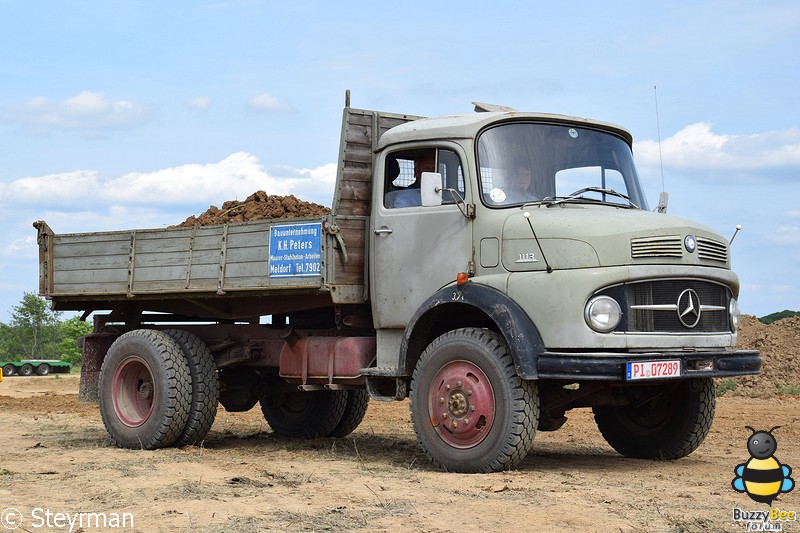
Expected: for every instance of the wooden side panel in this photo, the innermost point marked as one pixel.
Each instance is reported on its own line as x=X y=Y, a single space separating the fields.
x=88 y=263
x=361 y=130
x=160 y=260
x=171 y=262
x=247 y=263
x=353 y=232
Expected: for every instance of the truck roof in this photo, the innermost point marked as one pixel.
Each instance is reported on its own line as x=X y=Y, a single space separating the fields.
x=467 y=126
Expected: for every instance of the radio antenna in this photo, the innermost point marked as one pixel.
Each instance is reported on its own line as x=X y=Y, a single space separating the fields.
x=663 y=198
x=658 y=131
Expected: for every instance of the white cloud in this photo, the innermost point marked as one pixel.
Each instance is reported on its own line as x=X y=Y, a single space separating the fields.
x=87 y=111
x=787 y=235
x=199 y=104
x=697 y=146
x=795 y=213
x=238 y=173
x=268 y=102
x=22 y=247
x=71 y=186
x=195 y=184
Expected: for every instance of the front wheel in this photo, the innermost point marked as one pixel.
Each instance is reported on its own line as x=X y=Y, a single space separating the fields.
x=660 y=422
x=471 y=411
x=8 y=370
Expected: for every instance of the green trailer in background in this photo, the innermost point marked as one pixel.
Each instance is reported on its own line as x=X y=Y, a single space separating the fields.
x=28 y=367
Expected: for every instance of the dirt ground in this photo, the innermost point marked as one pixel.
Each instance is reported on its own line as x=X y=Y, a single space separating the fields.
x=56 y=456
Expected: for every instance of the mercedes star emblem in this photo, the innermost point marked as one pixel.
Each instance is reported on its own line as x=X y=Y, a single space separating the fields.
x=689 y=308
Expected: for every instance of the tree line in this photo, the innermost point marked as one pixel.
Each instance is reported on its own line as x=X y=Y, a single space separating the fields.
x=37 y=332
x=780 y=315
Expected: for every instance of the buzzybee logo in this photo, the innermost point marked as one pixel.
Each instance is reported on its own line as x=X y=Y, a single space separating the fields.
x=762 y=477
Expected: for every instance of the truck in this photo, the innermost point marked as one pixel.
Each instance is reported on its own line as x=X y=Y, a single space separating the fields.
x=40 y=367
x=495 y=309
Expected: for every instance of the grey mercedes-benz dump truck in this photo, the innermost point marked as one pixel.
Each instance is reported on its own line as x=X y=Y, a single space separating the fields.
x=499 y=268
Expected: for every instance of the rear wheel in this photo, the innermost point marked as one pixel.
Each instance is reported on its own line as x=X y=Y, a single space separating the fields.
x=354 y=410
x=471 y=411
x=205 y=386
x=43 y=369
x=304 y=414
x=145 y=390
x=9 y=369
x=661 y=422
x=26 y=370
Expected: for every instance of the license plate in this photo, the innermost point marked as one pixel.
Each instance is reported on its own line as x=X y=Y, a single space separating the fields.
x=653 y=369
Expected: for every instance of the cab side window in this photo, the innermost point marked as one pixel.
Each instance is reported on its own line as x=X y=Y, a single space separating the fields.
x=404 y=170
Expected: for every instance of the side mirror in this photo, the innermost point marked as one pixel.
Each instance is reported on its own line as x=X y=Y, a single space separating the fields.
x=431 y=189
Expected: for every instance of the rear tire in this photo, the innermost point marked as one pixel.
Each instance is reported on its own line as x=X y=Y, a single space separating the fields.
x=9 y=369
x=43 y=369
x=354 y=410
x=205 y=386
x=145 y=390
x=670 y=425
x=470 y=409
x=26 y=370
x=304 y=414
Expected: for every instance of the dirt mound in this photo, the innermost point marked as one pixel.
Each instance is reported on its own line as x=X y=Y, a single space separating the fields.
x=778 y=344
x=257 y=206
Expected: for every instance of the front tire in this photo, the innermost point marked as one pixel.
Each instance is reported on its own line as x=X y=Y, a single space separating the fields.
x=304 y=414
x=668 y=422
x=471 y=411
x=145 y=390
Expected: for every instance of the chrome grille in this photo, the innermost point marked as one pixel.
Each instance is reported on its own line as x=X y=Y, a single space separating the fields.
x=712 y=250
x=652 y=306
x=663 y=246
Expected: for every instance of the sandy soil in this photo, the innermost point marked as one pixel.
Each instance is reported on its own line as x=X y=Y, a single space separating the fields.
x=56 y=456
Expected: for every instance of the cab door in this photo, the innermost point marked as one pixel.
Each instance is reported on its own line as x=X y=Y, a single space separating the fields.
x=416 y=250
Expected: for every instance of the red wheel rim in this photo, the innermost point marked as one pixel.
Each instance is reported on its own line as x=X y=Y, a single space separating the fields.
x=461 y=404
x=133 y=392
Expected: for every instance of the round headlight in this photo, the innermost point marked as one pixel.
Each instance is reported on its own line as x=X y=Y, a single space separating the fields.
x=602 y=313
x=735 y=314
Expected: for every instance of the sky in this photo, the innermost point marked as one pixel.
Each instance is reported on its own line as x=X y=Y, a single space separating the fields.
x=118 y=115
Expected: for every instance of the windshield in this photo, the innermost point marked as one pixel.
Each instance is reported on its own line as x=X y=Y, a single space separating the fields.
x=532 y=162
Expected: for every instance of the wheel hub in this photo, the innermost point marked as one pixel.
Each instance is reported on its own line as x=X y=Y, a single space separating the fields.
x=133 y=391
x=145 y=390
x=458 y=404
x=462 y=405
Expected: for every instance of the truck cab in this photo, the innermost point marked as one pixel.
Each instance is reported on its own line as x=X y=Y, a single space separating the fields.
x=536 y=227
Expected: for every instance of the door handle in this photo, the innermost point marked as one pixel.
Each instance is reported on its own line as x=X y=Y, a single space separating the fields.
x=383 y=230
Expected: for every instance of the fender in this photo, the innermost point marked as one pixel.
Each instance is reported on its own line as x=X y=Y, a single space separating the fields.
x=524 y=341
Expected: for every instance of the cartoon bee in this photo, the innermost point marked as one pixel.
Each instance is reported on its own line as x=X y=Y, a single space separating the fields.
x=762 y=477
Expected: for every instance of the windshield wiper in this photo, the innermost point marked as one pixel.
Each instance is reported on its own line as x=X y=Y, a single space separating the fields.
x=578 y=195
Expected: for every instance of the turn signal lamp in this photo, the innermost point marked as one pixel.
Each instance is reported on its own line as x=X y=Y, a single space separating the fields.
x=462 y=278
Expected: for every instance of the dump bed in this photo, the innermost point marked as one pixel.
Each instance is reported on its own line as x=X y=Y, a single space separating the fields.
x=228 y=271
x=321 y=257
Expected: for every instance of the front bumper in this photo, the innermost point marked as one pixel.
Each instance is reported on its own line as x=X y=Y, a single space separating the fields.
x=612 y=366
